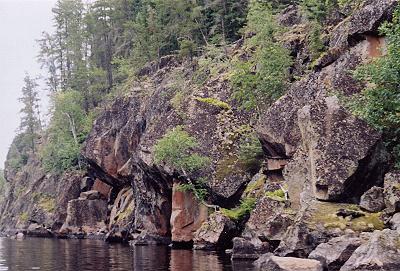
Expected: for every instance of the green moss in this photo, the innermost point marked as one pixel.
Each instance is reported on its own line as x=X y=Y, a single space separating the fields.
x=214 y=102
x=24 y=216
x=325 y=214
x=259 y=184
x=47 y=204
x=278 y=195
x=124 y=214
x=246 y=206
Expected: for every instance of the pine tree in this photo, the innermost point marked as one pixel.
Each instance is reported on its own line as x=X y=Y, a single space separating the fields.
x=30 y=120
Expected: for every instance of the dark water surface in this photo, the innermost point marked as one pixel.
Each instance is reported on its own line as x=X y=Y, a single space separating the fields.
x=92 y=255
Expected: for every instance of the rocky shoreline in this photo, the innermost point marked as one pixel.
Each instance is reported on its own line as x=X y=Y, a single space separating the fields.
x=319 y=194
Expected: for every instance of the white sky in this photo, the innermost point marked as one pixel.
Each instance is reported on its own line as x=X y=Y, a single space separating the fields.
x=21 y=23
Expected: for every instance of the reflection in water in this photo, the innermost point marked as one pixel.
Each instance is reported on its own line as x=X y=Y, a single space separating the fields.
x=92 y=255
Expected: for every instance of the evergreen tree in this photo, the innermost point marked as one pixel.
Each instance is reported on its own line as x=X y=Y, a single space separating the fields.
x=30 y=120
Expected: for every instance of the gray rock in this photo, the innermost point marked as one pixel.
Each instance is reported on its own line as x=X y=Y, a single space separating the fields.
x=268 y=262
x=395 y=222
x=392 y=192
x=364 y=20
x=345 y=155
x=91 y=195
x=380 y=252
x=85 y=215
x=249 y=249
x=336 y=252
x=373 y=200
x=217 y=232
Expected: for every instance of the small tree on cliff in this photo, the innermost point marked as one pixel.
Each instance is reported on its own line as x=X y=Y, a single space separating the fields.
x=175 y=149
x=30 y=120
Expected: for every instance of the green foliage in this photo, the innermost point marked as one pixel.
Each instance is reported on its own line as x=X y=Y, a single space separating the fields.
x=261 y=77
x=214 y=102
x=24 y=216
x=176 y=150
x=317 y=9
x=278 y=195
x=18 y=153
x=379 y=103
x=315 y=42
x=212 y=61
x=70 y=125
x=47 y=203
x=197 y=188
x=246 y=206
x=251 y=153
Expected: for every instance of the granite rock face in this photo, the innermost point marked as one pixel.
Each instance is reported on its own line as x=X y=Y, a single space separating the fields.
x=188 y=214
x=85 y=215
x=345 y=155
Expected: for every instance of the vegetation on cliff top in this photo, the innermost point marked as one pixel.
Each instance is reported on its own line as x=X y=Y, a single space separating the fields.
x=379 y=103
x=97 y=48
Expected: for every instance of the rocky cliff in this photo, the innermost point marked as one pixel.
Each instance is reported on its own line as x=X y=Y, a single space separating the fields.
x=319 y=187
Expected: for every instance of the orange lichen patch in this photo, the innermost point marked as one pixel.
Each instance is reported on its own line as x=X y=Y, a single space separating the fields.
x=376 y=46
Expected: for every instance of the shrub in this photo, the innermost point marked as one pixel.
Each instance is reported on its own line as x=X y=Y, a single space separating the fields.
x=47 y=204
x=278 y=195
x=260 y=77
x=68 y=129
x=379 y=102
x=176 y=150
x=214 y=102
x=246 y=206
x=24 y=216
x=198 y=189
x=251 y=154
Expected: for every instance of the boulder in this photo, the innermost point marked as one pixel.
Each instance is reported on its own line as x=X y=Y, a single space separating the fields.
x=188 y=214
x=392 y=192
x=281 y=138
x=244 y=249
x=373 y=200
x=395 y=222
x=217 y=232
x=300 y=240
x=366 y=19
x=268 y=262
x=345 y=156
x=336 y=252
x=269 y=220
x=380 y=252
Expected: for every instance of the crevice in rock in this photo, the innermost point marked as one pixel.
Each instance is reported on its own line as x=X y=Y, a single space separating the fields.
x=370 y=172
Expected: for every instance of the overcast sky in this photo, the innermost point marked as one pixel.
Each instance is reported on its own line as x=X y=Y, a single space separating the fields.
x=21 y=23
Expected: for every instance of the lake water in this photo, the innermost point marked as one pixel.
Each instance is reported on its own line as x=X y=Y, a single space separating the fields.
x=93 y=255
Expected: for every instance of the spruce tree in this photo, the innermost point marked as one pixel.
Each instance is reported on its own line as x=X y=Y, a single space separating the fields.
x=30 y=120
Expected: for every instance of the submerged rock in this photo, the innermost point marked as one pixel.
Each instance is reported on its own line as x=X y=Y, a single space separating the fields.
x=244 y=249
x=268 y=262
